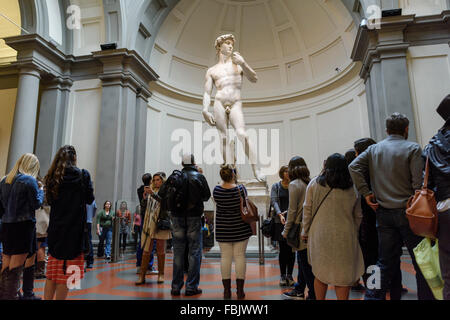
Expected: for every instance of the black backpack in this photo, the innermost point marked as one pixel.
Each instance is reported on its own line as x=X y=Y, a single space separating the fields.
x=177 y=195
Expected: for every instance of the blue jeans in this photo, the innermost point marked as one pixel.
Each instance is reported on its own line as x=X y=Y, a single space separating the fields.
x=106 y=235
x=305 y=275
x=90 y=256
x=187 y=231
x=394 y=231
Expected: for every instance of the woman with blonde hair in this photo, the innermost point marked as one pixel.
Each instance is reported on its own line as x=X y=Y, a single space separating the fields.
x=68 y=191
x=156 y=226
x=20 y=196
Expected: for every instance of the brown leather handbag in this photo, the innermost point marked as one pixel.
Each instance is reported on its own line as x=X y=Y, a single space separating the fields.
x=249 y=212
x=421 y=210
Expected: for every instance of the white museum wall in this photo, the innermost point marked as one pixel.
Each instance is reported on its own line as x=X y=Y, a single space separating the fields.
x=423 y=7
x=55 y=30
x=7 y=106
x=92 y=32
x=429 y=75
x=312 y=127
x=294 y=46
x=308 y=89
x=83 y=122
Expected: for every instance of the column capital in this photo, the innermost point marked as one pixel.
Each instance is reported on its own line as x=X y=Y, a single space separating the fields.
x=36 y=52
x=395 y=35
x=30 y=70
x=127 y=68
x=60 y=82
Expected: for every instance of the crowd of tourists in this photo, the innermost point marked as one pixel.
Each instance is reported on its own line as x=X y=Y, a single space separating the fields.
x=350 y=217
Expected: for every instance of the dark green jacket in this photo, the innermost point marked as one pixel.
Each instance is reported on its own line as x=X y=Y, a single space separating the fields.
x=105 y=221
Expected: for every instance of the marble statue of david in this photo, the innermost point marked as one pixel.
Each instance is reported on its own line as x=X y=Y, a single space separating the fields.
x=227 y=76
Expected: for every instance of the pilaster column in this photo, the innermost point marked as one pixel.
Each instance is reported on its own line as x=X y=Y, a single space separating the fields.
x=141 y=136
x=52 y=120
x=383 y=54
x=123 y=129
x=24 y=124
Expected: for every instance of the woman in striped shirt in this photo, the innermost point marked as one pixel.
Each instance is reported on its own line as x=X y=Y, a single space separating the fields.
x=232 y=233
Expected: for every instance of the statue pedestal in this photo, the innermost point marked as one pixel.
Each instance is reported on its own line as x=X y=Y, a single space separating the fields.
x=258 y=192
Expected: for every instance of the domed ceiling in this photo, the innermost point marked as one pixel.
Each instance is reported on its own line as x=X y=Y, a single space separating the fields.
x=295 y=46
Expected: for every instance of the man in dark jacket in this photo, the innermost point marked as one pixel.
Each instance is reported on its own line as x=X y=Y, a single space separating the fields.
x=438 y=153
x=187 y=229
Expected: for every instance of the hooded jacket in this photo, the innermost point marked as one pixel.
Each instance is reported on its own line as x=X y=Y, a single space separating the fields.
x=438 y=151
x=67 y=214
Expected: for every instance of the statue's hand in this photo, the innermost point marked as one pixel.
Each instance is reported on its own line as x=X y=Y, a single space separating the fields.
x=237 y=59
x=209 y=118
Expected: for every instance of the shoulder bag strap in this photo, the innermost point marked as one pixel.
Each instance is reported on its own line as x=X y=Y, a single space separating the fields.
x=427 y=171
x=241 y=191
x=317 y=210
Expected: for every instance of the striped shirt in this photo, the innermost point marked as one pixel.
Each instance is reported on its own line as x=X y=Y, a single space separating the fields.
x=229 y=225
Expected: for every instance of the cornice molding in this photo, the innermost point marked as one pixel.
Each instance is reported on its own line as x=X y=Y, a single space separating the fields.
x=127 y=68
x=396 y=35
x=125 y=65
x=339 y=77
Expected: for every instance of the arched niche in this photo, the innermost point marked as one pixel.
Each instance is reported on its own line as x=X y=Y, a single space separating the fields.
x=48 y=19
x=144 y=29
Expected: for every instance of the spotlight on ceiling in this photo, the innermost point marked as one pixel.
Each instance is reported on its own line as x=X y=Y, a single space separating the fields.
x=108 y=46
x=391 y=13
x=364 y=23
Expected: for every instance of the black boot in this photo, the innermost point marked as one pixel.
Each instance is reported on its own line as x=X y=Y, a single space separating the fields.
x=240 y=289
x=28 y=284
x=226 y=289
x=12 y=283
x=2 y=283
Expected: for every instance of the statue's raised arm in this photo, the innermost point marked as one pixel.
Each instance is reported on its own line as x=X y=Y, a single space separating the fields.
x=249 y=73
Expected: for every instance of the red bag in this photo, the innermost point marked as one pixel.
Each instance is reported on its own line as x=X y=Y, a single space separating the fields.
x=421 y=210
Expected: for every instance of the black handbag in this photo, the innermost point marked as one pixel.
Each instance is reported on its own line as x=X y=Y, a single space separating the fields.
x=268 y=227
x=293 y=236
x=163 y=224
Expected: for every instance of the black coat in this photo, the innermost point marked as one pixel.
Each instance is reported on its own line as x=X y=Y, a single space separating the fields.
x=198 y=192
x=67 y=214
x=438 y=152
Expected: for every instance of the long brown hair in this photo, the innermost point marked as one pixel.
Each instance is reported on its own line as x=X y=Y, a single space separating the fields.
x=65 y=157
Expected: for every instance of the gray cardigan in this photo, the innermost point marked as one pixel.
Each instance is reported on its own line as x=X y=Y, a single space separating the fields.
x=297 y=193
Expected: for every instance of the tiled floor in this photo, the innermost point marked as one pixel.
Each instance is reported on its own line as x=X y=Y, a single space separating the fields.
x=115 y=281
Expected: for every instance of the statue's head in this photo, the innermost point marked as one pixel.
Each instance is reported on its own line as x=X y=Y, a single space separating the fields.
x=227 y=39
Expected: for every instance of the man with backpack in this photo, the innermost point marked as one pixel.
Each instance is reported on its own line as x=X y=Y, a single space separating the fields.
x=185 y=191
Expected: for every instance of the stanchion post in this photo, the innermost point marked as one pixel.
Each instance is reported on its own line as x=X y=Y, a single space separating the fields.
x=115 y=239
x=260 y=243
